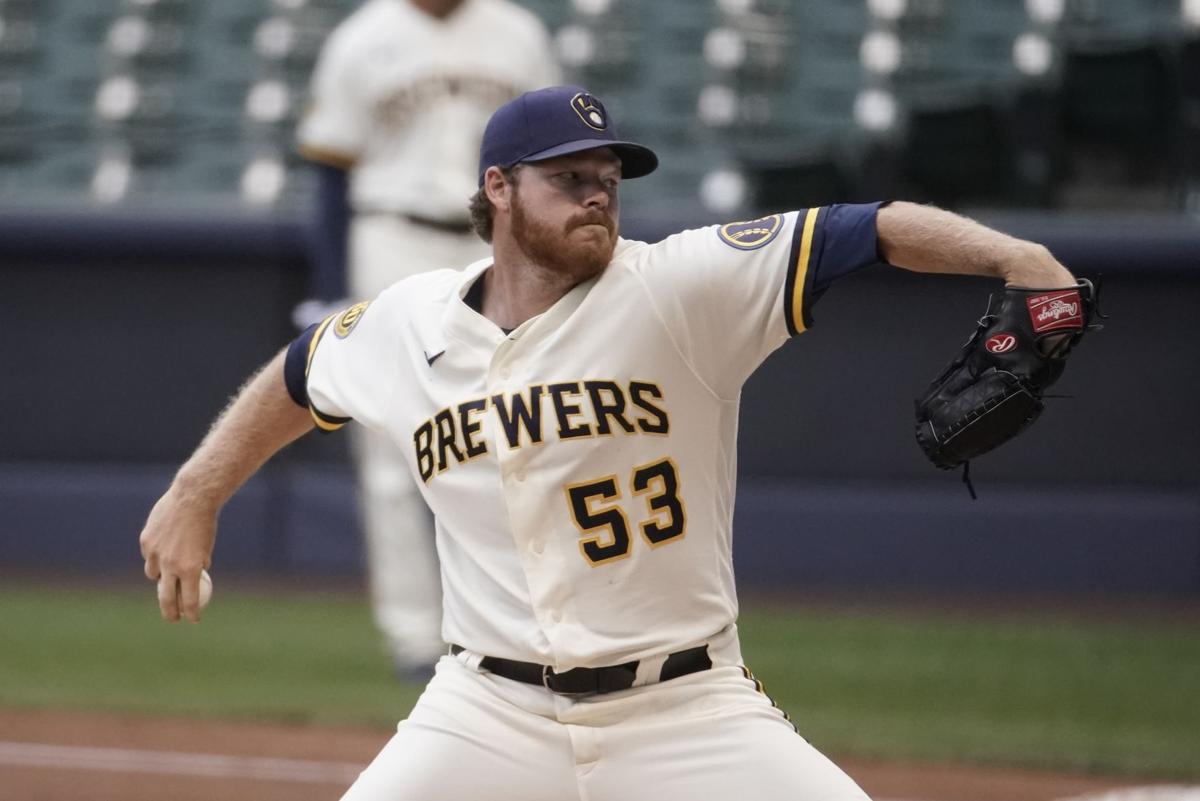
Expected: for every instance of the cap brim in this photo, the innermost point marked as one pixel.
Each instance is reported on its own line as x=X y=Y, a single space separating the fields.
x=636 y=160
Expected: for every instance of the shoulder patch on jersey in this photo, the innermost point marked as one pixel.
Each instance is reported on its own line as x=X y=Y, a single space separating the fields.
x=349 y=318
x=751 y=234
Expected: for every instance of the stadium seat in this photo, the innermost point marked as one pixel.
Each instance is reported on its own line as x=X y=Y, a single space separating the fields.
x=161 y=9
x=797 y=180
x=1120 y=97
x=16 y=123
x=1189 y=71
x=143 y=42
x=600 y=44
x=20 y=38
x=1131 y=19
x=958 y=152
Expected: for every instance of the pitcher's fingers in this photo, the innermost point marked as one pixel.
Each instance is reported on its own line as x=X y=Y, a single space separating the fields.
x=189 y=597
x=151 y=568
x=168 y=600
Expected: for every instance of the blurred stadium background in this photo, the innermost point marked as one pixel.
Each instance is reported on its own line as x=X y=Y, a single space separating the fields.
x=756 y=103
x=153 y=218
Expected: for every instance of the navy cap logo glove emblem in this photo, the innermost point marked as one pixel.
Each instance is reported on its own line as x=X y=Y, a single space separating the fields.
x=590 y=111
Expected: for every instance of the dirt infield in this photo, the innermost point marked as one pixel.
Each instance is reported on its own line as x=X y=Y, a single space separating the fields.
x=57 y=756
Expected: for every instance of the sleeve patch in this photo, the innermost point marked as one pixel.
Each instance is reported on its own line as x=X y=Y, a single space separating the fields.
x=348 y=319
x=751 y=234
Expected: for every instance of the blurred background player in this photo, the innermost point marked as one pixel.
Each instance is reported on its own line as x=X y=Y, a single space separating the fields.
x=400 y=97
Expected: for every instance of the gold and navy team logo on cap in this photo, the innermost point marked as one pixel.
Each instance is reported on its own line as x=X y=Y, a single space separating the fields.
x=751 y=234
x=590 y=111
x=349 y=318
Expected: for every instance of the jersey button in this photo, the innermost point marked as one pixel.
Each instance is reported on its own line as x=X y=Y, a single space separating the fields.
x=505 y=373
x=537 y=546
x=519 y=475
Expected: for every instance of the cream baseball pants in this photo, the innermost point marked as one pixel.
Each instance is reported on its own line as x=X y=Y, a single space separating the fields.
x=707 y=736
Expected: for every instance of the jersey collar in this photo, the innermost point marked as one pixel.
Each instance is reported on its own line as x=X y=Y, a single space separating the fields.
x=468 y=326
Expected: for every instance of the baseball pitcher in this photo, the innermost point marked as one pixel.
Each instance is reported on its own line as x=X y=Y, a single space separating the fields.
x=568 y=407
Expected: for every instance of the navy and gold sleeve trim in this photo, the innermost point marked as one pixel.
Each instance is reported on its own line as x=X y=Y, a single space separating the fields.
x=828 y=243
x=296 y=366
x=797 y=291
x=326 y=422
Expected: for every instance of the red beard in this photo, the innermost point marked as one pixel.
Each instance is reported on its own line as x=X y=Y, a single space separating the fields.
x=555 y=250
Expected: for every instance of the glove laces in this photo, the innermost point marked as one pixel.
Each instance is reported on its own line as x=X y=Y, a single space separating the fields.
x=966 y=477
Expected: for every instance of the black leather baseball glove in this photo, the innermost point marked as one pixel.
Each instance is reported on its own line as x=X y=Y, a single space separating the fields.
x=992 y=390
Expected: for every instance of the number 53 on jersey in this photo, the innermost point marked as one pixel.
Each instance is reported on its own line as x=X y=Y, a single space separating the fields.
x=596 y=511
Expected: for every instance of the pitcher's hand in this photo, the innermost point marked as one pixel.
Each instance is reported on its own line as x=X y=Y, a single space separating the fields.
x=177 y=543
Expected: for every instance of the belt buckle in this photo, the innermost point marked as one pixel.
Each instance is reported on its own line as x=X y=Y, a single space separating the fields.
x=548 y=673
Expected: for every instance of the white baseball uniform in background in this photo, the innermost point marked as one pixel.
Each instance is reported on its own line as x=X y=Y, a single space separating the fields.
x=582 y=472
x=401 y=99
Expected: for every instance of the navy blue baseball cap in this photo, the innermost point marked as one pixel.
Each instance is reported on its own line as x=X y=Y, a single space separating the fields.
x=554 y=122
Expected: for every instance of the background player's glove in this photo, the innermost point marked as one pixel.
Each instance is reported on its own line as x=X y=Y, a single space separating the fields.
x=993 y=388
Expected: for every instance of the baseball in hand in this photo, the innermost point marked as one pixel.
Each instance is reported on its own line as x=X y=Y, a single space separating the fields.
x=205 y=588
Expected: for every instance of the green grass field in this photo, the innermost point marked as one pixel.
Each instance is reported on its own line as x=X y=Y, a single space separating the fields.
x=1055 y=691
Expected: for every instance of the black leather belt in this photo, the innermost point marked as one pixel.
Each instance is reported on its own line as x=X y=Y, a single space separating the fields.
x=583 y=681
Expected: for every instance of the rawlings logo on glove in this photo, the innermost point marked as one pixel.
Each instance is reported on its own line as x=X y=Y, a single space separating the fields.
x=1000 y=343
x=1059 y=310
x=992 y=390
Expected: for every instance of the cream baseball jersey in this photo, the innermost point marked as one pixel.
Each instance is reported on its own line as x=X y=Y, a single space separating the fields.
x=403 y=97
x=582 y=467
